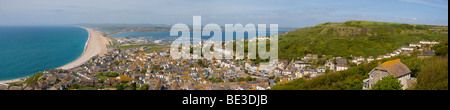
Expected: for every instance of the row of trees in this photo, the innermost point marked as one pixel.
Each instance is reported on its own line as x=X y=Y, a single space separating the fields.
x=241 y=79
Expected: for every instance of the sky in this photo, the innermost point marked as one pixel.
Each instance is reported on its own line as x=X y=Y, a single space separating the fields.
x=291 y=13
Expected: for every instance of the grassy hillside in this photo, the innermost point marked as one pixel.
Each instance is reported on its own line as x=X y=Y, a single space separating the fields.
x=429 y=78
x=431 y=74
x=360 y=38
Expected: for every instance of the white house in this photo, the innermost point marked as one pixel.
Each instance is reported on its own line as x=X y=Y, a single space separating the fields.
x=407 y=48
x=434 y=42
x=298 y=74
x=321 y=69
x=393 y=54
x=425 y=42
x=157 y=41
x=355 y=60
x=330 y=64
x=301 y=64
x=341 y=67
x=361 y=58
x=380 y=57
x=370 y=59
x=415 y=45
x=286 y=72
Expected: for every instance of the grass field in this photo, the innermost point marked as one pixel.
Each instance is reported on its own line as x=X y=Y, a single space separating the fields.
x=33 y=78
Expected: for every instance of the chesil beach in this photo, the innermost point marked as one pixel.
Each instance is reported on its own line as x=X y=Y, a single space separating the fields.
x=95 y=45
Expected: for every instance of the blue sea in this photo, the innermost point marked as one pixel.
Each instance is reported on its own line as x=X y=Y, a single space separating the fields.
x=25 y=51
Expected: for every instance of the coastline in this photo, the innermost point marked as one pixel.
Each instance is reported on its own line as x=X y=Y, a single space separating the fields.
x=13 y=80
x=95 y=45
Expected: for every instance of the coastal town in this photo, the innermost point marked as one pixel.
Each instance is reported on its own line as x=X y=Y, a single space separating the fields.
x=142 y=64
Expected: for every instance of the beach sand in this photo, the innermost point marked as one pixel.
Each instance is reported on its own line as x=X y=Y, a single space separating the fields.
x=97 y=45
x=12 y=80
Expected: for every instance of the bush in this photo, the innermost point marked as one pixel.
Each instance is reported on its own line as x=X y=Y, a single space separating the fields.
x=248 y=78
x=388 y=83
x=441 y=49
x=34 y=78
x=144 y=87
x=433 y=75
x=271 y=77
x=108 y=74
x=241 y=79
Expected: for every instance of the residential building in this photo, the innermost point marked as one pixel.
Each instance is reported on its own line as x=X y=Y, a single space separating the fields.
x=393 y=67
x=370 y=58
x=321 y=69
x=330 y=64
x=426 y=54
x=341 y=67
x=407 y=48
x=415 y=45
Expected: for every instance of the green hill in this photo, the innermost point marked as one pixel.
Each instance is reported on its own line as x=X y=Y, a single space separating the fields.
x=358 y=38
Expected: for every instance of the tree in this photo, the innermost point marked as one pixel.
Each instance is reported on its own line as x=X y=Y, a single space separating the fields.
x=200 y=62
x=143 y=71
x=441 y=49
x=144 y=87
x=271 y=77
x=217 y=80
x=75 y=86
x=121 y=86
x=240 y=79
x=248 y=78
x=101 y=81
x=388 y=83
x=277 y=80
x=352 y=64
x=414 y=64
x=133 y=85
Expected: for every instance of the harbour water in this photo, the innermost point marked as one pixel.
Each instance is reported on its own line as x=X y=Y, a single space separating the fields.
x=165 y=35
